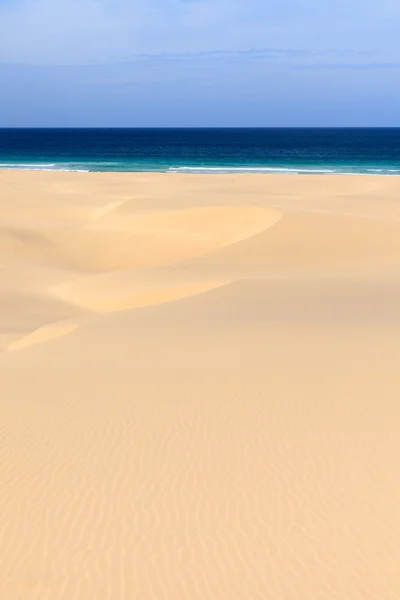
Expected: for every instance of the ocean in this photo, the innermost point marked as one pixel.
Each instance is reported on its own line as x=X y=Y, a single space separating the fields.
x=324 y=151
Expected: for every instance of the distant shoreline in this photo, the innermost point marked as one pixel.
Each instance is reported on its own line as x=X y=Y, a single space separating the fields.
x=208 y=172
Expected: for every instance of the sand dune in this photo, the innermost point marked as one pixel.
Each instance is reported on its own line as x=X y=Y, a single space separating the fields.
x=199 y=387
x=43 y=334
x=123 y=290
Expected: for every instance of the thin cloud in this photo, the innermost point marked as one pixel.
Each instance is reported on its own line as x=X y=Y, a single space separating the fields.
x=372 y=66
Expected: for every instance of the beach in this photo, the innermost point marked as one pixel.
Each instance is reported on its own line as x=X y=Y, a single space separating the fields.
x=199 y=386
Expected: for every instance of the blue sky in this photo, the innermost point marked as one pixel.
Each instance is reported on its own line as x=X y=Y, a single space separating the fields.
x=199 y=63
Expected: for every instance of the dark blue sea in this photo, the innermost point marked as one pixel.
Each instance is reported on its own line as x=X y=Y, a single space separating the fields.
x=329 y=151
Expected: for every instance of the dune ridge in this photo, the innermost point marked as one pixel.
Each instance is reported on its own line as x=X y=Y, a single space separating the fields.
x=199 y=387
x=43 y=334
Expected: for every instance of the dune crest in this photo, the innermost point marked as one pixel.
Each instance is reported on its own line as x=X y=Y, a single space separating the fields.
x=98 y=213
x=110 y=293
x=44 y=334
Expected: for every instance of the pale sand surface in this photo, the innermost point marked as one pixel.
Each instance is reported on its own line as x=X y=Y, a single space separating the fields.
x=200 y=387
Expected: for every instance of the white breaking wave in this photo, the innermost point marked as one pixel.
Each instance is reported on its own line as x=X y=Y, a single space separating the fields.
x=249 y=170
x=25 y=166
x=70 y=167
x=40 y=167
x=289 y=170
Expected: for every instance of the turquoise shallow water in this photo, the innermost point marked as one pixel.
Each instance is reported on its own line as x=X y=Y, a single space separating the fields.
x=325 y=151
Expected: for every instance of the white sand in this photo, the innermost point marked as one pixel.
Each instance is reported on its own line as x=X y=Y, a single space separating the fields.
x=200 y=390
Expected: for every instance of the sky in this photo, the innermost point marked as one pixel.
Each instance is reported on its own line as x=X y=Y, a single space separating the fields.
x=187 y=63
